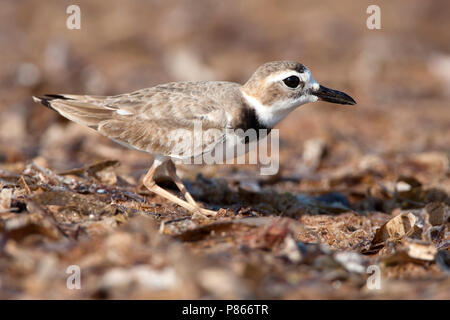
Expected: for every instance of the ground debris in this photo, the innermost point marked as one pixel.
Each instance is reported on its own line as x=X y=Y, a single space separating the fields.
x=360 y=191
x=92 y=169
x=71 y=201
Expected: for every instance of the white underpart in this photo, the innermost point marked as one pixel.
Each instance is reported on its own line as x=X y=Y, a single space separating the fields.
x=123 y=112
x=270 y=115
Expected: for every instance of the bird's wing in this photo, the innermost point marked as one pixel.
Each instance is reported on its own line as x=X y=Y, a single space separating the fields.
x=178 y=119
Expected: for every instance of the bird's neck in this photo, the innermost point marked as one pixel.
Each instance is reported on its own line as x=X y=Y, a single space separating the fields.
x=267 y=116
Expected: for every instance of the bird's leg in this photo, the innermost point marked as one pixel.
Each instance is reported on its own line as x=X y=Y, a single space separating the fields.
x=172 y=171
x=151 y=185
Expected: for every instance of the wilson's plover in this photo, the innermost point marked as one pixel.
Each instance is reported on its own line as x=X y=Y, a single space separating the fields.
x=156 y=119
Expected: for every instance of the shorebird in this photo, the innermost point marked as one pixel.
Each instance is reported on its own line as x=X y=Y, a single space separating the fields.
x=152 y=119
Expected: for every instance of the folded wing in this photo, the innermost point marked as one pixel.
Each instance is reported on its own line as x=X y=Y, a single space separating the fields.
x=161 y=120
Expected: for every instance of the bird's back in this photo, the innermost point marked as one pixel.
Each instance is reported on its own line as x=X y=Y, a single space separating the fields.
x=153 y=119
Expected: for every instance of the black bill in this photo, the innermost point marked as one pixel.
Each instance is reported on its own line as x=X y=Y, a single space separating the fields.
x=334 y=96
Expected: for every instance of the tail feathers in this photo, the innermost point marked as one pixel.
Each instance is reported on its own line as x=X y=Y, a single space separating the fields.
x=85 y=110
x=47 y=98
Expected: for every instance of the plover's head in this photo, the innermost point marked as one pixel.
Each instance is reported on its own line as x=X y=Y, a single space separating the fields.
x=277 y=88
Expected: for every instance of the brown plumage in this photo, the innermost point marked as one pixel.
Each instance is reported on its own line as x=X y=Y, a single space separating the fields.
x=155 y=120
x=146 y=119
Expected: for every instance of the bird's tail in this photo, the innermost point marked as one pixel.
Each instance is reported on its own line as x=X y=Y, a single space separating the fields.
x=85 y=110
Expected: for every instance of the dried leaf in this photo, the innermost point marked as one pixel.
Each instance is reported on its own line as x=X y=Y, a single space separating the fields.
x=409 y=250
x=437 y=213
x=23 y=226
x=92 y=169
x=84 y=204
x=5 y=199
x=393 y=230
x=351 y=261
x=420 y=250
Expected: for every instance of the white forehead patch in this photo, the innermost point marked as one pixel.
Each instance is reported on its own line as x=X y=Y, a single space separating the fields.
x=313 y=83
x=304 y=77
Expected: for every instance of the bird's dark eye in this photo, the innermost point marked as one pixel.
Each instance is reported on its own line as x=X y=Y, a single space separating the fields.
x=292 y=81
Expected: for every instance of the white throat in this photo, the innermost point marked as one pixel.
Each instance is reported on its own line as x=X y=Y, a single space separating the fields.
x=272 y=114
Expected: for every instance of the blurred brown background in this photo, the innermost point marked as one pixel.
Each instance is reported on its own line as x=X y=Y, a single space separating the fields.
x=399 y=75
